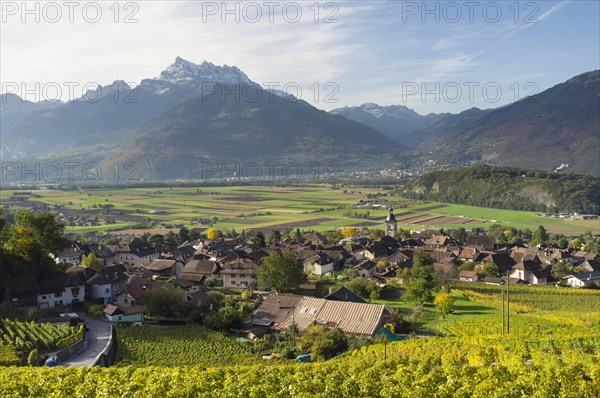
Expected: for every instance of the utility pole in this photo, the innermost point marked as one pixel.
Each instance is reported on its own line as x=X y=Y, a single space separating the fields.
x=294 y=329
x=507 y=303
x=502 y=290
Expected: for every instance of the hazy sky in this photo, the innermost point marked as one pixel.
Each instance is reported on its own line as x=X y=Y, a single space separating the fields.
x=430 y=56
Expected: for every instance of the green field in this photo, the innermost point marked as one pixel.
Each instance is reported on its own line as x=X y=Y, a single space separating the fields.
x=265 y=208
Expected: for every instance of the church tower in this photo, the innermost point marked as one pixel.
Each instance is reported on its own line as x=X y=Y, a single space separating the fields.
x=391 y=225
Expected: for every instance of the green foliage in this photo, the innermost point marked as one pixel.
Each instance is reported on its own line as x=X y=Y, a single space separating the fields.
x=280 y=272
x=27 y=245
x=365 y=288
x=33 y=358
x=177 y=346
x=510 y=188
x=21 y=338
x=419 y=279
x=91 y=261
x=329 y=344
x=164 y=302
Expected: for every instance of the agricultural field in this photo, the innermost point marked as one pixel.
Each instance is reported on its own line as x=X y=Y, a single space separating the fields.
x=266 y=208
x=177 y=346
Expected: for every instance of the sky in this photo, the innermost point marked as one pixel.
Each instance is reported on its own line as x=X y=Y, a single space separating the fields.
x=430 y=56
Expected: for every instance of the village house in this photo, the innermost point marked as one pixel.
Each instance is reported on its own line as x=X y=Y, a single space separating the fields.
x=531 y=272
x=585 y=279
x=319 y=264
x=356 y=319
x=162 y=267
x=134 y=314
x=468 y=276
x=107 y=283
x=197 y=271
x=239 y=274
x=135 y=251
x=366 y=268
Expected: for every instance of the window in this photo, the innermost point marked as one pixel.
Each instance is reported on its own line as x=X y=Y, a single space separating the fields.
x=43 y=297
x=58 y=294
x=107 y=290
x=233 y=282
x=75 y=291
x=243 y=276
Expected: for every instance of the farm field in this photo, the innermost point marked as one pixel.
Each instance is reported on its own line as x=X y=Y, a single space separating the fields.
x=265 y=208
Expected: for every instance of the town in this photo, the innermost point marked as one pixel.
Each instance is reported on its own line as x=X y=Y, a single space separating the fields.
x=118 y=276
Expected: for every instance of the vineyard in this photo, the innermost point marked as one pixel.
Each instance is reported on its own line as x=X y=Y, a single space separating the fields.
x=435 y=367
x=18 y=339
x=177 y=346
x=543 y=297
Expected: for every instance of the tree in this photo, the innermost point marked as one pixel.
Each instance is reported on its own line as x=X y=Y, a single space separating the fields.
x=157 y=240
x=213 y=234
x=275 y=236
x=364 y=288
x=349 y=232
x=487 y=269
x=575 y=244
x=330 y=344
x=418 y=290
x=91 y=261
x=444 y=276
x=184 y=235
x=164 y=301
x=33 y=357
x=32 y=239
x=540 y=235
x=258 y=241
x=382 y=264
x=459 y=234
x=376 y=234
x=280 y=272
x=443 y=303
x=561 y=269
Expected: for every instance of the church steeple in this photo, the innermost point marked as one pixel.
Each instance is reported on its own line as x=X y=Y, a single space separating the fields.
x=391 y=225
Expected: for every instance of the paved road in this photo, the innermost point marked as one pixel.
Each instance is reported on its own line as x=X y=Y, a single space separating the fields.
x=96 y=341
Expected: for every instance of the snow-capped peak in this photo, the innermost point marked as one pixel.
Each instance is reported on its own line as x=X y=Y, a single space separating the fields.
x=182 y=71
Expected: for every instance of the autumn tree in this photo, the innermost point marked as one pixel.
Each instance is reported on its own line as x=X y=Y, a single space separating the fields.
x=91 y=261
x=443 y=303
x=349 y=232
x=213 y=234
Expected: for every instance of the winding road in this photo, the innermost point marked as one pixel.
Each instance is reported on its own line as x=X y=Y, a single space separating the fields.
x=97 y=339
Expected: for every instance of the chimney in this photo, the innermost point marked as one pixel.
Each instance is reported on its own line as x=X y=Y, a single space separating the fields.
x=330 y=289
x=279 y=304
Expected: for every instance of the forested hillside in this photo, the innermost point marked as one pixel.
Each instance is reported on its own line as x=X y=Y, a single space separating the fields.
x=510 y=188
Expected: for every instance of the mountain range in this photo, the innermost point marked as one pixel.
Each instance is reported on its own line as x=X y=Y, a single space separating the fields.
x=193 y=113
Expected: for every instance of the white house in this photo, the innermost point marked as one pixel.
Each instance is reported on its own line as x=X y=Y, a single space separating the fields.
x=584 y=279
x=60 y=292
x=366 y=268
x=124 y=315
x=320 y=264
x=240 y=275
x=468 y=276
x=107 y=284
